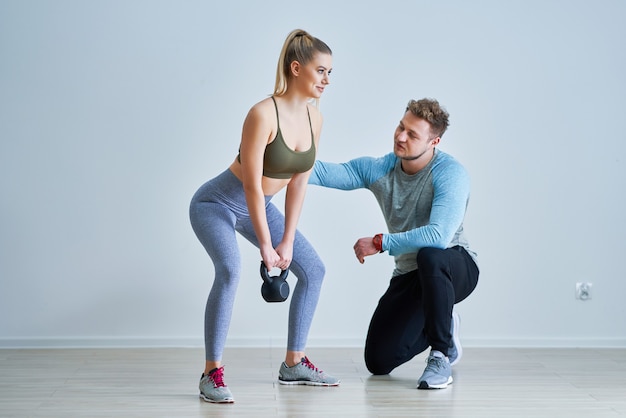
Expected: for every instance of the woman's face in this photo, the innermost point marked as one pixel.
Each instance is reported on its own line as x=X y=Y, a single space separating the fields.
x=315 y=75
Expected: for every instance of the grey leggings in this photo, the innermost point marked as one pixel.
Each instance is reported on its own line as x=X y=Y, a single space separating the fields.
x=217 y=210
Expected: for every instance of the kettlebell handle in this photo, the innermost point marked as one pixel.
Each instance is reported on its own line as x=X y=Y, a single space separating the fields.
x=265 y=273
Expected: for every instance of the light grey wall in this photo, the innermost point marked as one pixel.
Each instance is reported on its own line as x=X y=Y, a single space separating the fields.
x=112 y=113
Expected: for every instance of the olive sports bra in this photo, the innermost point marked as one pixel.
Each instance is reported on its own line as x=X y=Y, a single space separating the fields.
x=280 y=161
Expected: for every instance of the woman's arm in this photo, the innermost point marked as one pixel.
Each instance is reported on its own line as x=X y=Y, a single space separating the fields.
x=294 y=199
x=257 y=130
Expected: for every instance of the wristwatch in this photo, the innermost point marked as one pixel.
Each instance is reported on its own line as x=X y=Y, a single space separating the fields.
x=378 y=242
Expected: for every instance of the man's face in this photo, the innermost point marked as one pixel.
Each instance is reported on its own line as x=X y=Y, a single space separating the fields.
x=413 y=138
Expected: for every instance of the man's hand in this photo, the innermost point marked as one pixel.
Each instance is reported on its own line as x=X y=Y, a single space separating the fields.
x=364 y=247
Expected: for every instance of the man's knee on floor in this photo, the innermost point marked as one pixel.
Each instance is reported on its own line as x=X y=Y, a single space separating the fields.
x=377 y=364
x=377 y=368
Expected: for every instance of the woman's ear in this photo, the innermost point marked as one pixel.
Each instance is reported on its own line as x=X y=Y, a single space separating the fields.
x=295 y=68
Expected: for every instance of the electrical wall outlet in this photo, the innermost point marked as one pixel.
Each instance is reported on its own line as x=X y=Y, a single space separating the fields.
x=583 y=290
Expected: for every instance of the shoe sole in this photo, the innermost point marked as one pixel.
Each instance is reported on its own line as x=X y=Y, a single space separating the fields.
x=424 y=385
x=455 y=338
x=227 y=400
x=305 y=382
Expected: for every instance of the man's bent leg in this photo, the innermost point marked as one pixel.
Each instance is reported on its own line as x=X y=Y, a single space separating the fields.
x=447 y=277
x=396 y=330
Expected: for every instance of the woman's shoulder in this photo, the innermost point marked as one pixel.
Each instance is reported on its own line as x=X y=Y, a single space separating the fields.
x=264 y=105
x=262 y=110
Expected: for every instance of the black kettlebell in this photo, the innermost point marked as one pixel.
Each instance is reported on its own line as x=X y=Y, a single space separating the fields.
x=274 y=288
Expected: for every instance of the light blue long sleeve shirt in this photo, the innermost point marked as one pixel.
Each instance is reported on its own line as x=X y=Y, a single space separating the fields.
x=425 y=209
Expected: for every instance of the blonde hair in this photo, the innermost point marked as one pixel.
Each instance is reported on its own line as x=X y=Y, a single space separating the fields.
x=299 y=46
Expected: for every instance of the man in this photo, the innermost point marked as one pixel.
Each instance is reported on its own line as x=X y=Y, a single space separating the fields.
x=423 y=193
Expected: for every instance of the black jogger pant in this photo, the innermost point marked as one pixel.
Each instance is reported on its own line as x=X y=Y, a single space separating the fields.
x=416 y=310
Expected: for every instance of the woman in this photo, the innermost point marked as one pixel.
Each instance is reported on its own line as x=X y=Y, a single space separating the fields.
x=278 y=145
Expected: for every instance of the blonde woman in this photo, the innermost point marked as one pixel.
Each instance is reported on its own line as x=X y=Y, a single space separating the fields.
x=277 y=150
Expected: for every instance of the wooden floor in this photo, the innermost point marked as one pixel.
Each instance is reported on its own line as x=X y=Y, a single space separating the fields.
x=163 y=383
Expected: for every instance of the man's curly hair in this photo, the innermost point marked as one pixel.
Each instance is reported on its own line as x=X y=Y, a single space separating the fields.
x=431 y=112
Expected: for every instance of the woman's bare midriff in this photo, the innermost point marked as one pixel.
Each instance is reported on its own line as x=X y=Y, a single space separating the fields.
x=270 y=186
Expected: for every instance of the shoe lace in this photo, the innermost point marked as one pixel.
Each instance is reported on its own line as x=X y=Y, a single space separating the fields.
x=217 y=376
x=306 y=362
x=435 y=363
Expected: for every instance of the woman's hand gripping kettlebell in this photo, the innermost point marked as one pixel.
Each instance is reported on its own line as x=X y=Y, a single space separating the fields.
x=274 y=288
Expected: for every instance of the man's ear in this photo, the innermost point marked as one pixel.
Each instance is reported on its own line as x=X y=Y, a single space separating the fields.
x=435 y=141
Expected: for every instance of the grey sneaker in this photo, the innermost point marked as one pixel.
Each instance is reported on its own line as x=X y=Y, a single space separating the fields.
x=455 y=351
x=438 y=374
x=213 y=389
x=305 y=373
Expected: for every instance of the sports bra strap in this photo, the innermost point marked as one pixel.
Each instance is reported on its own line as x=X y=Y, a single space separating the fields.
x=277 y=120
